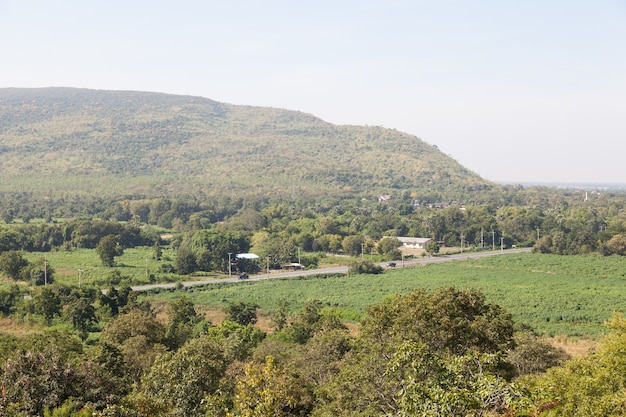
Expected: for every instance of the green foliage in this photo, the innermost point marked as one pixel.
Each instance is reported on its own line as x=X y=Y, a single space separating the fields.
x=11 y=263
x=310 y=321
x=434 y=384
x=108 y=248
x=388 y=245
x=432 y=247
x=47 y=303
x=185 y=262
x=424 y=354
x=352 y=245
x=38 y=272
x=532 y=355
x=139 y=336
x=237 y=341
x=178 y=381
x=211 y=247
x=588 y=386
x=9 y=298
x=81 y=313
x=182 y=319
x=448 y=320
x=362 y=266
x=266 y=390
x=242 y=313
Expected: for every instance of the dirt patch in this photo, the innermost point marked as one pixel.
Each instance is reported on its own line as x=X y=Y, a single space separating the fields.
x=576 y=348
x=66 y=272
x=8 y=326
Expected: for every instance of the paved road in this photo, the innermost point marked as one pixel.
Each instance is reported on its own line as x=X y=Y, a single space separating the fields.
x=337 y=269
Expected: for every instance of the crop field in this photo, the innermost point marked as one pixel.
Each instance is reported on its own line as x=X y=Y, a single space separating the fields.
x=555 y=295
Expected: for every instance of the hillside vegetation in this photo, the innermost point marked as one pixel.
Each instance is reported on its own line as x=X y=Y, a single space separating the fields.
x=66 y=142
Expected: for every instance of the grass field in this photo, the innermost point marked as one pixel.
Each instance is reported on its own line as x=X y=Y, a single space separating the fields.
x=556 y=295
x=68 y=263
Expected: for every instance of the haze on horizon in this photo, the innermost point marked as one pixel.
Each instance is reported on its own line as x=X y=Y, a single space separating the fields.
x=529 y=92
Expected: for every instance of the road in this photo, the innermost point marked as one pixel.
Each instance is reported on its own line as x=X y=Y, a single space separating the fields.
x=337 y=269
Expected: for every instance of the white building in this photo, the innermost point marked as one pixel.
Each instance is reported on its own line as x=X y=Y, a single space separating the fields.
x=414 y=242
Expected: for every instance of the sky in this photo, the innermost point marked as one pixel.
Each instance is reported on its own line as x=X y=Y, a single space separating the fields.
x=527 y=91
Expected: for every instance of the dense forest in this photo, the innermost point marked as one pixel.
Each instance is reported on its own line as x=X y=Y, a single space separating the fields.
x=185 y=183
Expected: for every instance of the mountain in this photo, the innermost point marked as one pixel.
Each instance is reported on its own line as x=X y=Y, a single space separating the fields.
x=61 y=141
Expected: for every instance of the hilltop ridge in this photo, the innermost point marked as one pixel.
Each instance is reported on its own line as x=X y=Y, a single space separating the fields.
x=56 y=141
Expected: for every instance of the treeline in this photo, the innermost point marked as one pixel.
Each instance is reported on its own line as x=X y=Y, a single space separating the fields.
x=283 y=232
x=445 y=352
x=74 y=234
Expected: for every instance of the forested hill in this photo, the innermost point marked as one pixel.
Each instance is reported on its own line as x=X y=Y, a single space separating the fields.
x=59 y=141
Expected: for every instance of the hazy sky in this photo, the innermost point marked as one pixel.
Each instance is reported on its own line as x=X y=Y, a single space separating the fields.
x=517 y=91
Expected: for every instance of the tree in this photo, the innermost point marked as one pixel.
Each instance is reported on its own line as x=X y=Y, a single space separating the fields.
x=310 y=321
x=532 y=355
x=242 y=313
x=266 y=390
x=179 y=381
x=39 y=272
x=157 y=252
x=81 y=314
x=47 y=303
x=438 y=385
x=432 y=248
x=185 y=262
x=11 y=263
x=279 y=317
x=615 y=246
x=108 y=248
x=353 y=245
x=139 y=336
x=9 y=298
x=388 y=245
x=36 y=379
x=438 y=350
x=105 y=377
x=182 y=318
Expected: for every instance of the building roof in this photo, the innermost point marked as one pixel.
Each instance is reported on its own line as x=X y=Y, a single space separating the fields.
x=247 y=256
x=414 y=240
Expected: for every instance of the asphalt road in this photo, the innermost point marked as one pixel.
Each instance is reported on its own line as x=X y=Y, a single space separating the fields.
x=337 y=269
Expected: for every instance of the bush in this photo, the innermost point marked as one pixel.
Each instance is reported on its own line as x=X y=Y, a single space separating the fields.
x=364 y=267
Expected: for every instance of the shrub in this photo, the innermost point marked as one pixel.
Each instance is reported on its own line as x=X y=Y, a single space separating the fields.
x=364 y=267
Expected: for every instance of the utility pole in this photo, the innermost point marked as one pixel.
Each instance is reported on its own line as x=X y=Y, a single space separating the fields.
x=229 y=264
x=502 y=244
x=299 y=263
x=537 y=233
x=362 y=249
x=268 y=266
x=45 y=271
x=462 y=242
x=482 y=239
x=493 y=240
x=80 y=275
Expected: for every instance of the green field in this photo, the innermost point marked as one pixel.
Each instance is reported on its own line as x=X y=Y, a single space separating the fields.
x=556 y=295
x=132 y=265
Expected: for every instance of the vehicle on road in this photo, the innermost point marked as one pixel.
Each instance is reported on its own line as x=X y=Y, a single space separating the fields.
x=391 y=264
x=243 y=276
